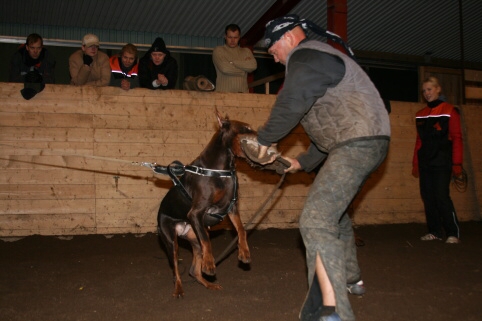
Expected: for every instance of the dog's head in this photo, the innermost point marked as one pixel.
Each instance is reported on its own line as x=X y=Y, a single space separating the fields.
x=233 y=132
x=241 y=138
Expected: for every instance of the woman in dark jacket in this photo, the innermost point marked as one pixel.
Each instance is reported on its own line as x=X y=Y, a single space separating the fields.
x=157 y=69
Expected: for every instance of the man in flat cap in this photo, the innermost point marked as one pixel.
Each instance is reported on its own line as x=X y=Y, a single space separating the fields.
x=88 y=65
x=341 y=111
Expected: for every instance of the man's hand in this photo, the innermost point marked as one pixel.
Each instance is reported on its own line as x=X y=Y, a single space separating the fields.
x=295 y=165
x=87 y=59
x=125 y=84
x=162 y=80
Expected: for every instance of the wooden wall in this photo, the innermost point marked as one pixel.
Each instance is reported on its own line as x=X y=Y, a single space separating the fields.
x=65 y=160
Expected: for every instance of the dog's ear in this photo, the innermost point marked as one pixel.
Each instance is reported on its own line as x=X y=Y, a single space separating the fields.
x=218 y=117
x=222 y=122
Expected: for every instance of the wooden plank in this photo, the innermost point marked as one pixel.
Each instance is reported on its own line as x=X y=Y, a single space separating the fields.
x=126 y=207
x=126 y=220
x=114 y=135
x=473 y=75
x=473 y=92
x=61 y=105
x=46 y=224
x=175 y=121
x=37 y=119
x=109 y=230
x=50 y=167
x=148 y=151
x=47 y=206
x=60 y=232
x=20 y=147
x=46 y=192
x=57 y=176
x=46 y=134
x=125 y=191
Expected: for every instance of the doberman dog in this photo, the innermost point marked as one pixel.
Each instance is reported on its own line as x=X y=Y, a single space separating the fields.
x=201 y=198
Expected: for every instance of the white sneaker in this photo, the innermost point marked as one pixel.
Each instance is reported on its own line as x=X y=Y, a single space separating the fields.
x=452 y=240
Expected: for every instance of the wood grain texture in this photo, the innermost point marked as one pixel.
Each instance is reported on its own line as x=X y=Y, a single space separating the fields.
x=66 y=160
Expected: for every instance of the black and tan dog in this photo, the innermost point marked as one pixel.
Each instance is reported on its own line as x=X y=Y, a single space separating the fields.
x=200 y=198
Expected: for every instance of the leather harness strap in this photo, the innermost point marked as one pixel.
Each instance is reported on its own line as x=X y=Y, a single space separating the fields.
x=176 y=169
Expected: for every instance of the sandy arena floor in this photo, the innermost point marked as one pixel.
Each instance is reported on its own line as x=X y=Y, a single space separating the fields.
x=129 y=278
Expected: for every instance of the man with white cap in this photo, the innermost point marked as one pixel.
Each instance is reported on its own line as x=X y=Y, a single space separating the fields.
x=88 y=65
x=341 y=111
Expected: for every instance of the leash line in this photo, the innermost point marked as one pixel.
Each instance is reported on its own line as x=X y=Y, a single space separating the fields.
x=193 y=169
x=134 y=163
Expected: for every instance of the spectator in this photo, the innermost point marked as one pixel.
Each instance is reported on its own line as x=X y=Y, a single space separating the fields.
x=233 y=63
x=437 y=157
x=343 y=114
x=158 y=69
x=32 y=56
x=88 y=65
x=124 y=68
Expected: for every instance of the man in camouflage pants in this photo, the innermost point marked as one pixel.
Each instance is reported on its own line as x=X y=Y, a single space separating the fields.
x=342 y=113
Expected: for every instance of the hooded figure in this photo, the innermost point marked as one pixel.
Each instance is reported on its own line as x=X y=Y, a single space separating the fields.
x=157 y=69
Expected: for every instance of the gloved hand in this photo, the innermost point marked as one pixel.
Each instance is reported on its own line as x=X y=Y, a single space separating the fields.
x=87 y=60
x=456 y=170
x=415 y=171
x=33 y=76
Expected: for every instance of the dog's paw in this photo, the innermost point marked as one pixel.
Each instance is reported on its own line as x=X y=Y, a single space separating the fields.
x=209 y=269
x=213 y=286
x=178 y=292
x=244 y=254
x=246 y=259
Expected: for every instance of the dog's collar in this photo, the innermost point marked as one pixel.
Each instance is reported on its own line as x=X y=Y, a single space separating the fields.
x=178 y=169
x=210 y=172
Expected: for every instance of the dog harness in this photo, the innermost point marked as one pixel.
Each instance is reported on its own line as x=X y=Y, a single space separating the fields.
x=176 y=169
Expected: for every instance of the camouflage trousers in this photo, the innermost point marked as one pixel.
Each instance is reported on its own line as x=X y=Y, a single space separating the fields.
x=324 y=224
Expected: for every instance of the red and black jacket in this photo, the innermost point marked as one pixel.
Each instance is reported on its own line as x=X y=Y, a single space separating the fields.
x=117 y=71
x=439 y=136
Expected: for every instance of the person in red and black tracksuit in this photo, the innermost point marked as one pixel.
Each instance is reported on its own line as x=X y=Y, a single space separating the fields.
x=437 y=157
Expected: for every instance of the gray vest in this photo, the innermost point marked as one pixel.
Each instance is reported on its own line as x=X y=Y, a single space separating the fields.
x=352 y=110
